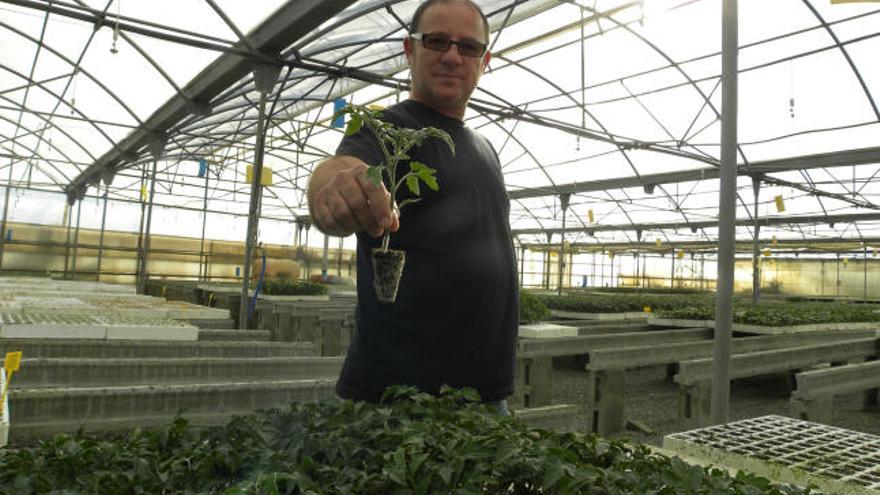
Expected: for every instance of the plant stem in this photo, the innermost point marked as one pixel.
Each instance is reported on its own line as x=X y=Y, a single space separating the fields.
x=386 y=239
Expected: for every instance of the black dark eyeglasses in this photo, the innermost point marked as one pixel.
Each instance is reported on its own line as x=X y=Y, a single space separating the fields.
x=440 y=42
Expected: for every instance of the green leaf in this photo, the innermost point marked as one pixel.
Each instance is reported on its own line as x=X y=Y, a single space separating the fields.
x=374 y=173
x=425 y=174
x=431 y=182
x=446 y=473
x=412 y=183
x=354 y=125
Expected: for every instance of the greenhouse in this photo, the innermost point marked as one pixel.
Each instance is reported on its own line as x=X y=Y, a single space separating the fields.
x=692 y=227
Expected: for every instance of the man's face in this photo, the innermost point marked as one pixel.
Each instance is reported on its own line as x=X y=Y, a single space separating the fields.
x=445 y=80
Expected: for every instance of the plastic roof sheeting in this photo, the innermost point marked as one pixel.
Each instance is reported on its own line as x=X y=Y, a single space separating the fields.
x=577 y=92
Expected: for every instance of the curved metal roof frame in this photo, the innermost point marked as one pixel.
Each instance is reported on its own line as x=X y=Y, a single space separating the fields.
x=320 y=68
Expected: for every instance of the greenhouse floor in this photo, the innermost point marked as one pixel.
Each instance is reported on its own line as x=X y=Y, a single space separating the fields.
x=651 y=399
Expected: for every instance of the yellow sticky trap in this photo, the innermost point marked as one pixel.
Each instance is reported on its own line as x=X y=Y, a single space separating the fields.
x=13 y=361
x=874 y=253
x=647 y=309
x=10 y=365
x=680 y=254
x=845 y=261
x=376 y=107
x=590 y=216
x=658 y=242
x=774 y=241
x=265 y=178
x=144 y=192
x=766 y=253
x=780 y=204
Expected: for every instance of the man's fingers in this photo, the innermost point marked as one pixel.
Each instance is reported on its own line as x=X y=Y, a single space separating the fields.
x=379 y=200
x=360 y=207
x=335 y=213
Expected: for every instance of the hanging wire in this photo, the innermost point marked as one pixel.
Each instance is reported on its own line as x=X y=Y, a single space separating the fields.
x=790 y=89
x=577 y=146
x=113 y=48
x=73 y=91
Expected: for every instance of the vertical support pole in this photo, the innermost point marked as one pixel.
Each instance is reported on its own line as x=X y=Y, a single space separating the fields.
x=203 y=263
x=563 y=202
x=611 y=269
x=522 y=265
x=837 y=281
x=67 y=241
x=325 y=257
x=339 y=258
x=140 y=244
x=8 y=190
x=865 y=272
x=265 y=77
x=644 y=269
x=672 y=271
x=720 y=404
x=546 y=274
x=142 y=276
x=756 y=255
x=602 y=269
x=636 y=255
x=702 y=271
x=101 y=235
x=76 y=238
x=593 y=271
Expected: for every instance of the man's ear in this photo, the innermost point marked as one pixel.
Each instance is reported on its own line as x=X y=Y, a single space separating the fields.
x=486 y=58
x=408 y=49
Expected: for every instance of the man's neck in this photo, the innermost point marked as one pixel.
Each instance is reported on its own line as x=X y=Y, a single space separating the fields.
x=452 y=112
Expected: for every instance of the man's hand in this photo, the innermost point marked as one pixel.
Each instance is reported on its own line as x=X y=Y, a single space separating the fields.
x=343 y=201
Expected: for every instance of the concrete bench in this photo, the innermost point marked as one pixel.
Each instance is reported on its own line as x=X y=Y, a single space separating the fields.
x=299 y=321
x=606 y=368
x=558 y=417
x=73 y=372
x=46 y=411
x=695 y=376
x=267 y=309
x=812 y=399
x=337 y=330
x=535 y=357
x=106 y=349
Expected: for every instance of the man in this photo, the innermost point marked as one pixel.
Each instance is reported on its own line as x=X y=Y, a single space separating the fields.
x=456 y=315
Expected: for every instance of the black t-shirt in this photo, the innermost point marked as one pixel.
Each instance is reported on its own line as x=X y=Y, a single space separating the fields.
x=457 y=311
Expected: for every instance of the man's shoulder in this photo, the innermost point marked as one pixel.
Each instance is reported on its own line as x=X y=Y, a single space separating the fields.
x=402 y=114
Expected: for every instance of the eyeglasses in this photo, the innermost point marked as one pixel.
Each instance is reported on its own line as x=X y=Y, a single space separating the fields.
x=440 y=42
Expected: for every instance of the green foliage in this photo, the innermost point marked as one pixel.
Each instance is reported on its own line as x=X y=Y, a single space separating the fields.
x=622 y=303
x=395 y=143
x=412 y=443
x=688 y=313
x=531 y=309
x=643 y=290
x=287 y=287
x=782 y=315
